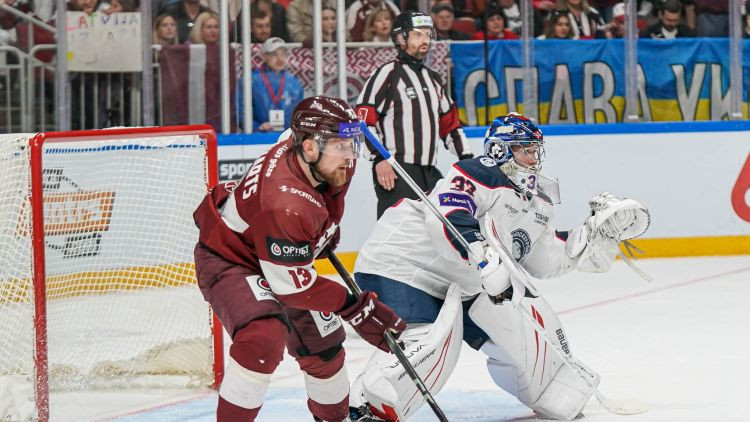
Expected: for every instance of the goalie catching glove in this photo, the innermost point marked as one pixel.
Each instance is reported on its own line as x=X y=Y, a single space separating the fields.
x=617 y=218
x=612 y=220
x=370 y=318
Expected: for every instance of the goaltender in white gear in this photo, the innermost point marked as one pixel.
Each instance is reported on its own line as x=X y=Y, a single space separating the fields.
x=415 y=266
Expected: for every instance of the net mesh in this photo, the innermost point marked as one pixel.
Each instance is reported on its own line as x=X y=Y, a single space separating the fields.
x=122 y=305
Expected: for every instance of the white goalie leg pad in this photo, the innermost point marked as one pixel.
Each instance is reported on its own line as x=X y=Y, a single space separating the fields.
x=521 y=363
x=330 y=390
x=243 y=387
x=432 y=349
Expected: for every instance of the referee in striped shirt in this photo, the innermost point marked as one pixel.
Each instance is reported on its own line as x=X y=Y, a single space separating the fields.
x=406 y=103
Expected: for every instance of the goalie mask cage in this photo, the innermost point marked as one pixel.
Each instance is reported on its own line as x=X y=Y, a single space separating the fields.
x=97 y=282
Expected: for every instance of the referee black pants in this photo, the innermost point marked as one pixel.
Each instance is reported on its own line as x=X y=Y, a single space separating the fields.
x=425 y=176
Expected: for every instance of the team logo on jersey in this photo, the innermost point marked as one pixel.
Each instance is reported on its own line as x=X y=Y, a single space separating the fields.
x=326 y=322
x=411 y=93
x=457 y=200
x=521 y=244
x=287 y=251
x=260 y=288
x=487 y=161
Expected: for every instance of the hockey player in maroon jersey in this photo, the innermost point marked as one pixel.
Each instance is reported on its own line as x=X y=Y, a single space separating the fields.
x=254 y=262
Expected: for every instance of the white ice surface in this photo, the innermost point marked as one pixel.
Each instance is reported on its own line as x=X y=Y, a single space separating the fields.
x=679 y=344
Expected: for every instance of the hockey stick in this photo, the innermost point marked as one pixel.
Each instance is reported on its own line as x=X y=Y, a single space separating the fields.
x=392 y=343
x=620 y=407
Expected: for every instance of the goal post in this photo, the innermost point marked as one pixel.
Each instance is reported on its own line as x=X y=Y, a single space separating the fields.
x=97 y=282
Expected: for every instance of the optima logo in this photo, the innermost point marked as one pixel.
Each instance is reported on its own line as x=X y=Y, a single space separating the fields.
x=288 y=251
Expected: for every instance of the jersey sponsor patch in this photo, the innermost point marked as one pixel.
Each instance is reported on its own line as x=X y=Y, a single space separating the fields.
x=457 y=200
x=260 y=288
x=521 y=244
x=487 y=161
x=287 y=251
x=294 y=191
x=327 y=322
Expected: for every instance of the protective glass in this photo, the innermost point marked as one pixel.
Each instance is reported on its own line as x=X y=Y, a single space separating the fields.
x=347 y=143
x=341 y=147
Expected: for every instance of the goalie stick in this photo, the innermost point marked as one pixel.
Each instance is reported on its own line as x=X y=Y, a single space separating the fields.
x=392 y=343
x=620 y=407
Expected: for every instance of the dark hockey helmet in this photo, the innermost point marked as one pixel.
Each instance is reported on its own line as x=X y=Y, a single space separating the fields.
x=323 y=117
x=407 y=21
x=513 y=129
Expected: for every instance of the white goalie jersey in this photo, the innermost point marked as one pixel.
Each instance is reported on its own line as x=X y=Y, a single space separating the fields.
x=411 y=245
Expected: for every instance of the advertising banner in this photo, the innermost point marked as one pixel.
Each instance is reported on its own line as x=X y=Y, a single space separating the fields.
x=584 y=81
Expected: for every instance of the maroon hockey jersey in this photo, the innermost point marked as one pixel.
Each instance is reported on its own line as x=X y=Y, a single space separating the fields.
x=275 y=222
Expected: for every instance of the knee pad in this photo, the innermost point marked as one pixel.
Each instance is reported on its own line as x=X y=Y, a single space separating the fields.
x=259 y=346
x=327 y=385
x=256 y=351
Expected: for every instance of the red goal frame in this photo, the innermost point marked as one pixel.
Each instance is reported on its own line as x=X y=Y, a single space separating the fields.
x=37 y=233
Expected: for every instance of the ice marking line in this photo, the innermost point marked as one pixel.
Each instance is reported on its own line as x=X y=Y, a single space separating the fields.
x=159 y=406
x=646 y=292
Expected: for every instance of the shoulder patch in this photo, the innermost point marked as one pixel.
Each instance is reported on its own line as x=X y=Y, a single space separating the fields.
x=460 y=200
x=487 y=161
x=479 y=170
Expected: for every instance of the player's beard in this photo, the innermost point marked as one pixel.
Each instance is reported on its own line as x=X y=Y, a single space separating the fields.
x=334 y=177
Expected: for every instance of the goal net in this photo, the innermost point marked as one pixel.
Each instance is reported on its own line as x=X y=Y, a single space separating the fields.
x=97 y=284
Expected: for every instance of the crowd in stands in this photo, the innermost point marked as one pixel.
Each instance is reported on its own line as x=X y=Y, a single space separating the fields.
x=196 y=21
x=274 y=23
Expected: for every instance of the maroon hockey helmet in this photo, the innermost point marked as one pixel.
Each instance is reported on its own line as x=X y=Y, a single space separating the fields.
x=324 y=117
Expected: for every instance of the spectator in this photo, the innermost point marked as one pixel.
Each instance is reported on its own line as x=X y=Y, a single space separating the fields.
x=544 y=5
x=558 y=26
x=514 y=21
x=184 y=12
x=585 y=21
x=688 y=7
x=328 y=15
x=712 y=18
x=165 y=30
x=278 y=18
x=260 y=26
x=604 y=7
x=616 y=27
x=205 y=29
x=746 y=32
x=122 y=6
x=378 y=26
x=86 y=6
x=669 y=25
x=328 y=26
x=357 y=13
x=442 y=16
x=276 y=92
x=300 y=20
x=495 y=26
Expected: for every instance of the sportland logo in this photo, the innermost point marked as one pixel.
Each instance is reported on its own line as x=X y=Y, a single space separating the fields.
x=740 y=197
